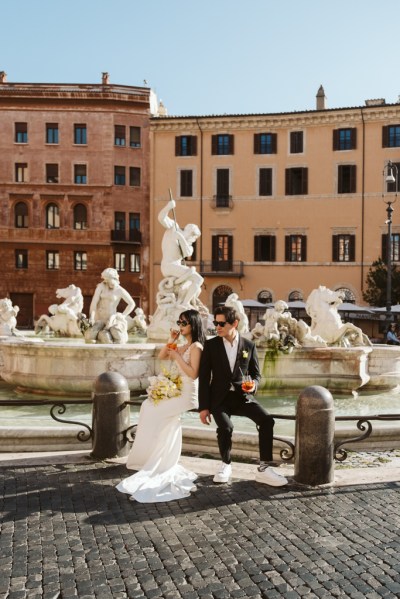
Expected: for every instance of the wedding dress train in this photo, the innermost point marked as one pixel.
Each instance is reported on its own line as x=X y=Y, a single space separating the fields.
x=157 y=448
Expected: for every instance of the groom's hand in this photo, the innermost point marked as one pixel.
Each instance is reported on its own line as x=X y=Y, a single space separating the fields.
x=205 y=416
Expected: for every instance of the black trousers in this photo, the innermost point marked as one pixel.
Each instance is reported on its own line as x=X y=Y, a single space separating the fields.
x=235 y=405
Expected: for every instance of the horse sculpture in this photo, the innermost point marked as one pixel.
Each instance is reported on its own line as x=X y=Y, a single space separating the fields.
x=64 y=319
x=321 y=306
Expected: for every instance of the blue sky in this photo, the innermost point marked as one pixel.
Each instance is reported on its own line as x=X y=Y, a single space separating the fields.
x=210 y=56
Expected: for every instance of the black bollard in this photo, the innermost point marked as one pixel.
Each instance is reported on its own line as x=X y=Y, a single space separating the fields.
x=315 y=429
x=110 y=416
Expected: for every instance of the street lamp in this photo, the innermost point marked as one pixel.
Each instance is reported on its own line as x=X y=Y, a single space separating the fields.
x=390 y=177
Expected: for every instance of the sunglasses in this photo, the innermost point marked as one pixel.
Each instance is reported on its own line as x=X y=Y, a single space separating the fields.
x=218 y=323
x=182 y=323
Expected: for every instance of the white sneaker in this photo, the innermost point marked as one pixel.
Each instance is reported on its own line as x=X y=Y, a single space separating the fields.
x=224 y=473
x=270 y=477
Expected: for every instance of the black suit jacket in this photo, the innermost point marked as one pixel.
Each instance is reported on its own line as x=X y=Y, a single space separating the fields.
x=215 y=376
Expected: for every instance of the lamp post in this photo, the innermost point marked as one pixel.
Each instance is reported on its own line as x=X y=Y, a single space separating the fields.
x=390 y=177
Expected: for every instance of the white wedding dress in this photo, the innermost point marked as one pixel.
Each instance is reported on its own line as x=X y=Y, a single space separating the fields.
x=157 y=447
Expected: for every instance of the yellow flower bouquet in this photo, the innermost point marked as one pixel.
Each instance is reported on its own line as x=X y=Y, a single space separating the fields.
x=165 y=385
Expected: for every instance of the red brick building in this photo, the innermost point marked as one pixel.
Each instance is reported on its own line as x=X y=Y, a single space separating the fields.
x=74 y=190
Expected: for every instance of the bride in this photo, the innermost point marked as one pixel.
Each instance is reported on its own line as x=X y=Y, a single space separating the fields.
x=158 y=442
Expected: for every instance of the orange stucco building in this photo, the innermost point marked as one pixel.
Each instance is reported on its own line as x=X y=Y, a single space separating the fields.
x=285 y=202
x=74 y=190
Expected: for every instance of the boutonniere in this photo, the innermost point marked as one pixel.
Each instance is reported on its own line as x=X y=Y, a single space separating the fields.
x=245 y=354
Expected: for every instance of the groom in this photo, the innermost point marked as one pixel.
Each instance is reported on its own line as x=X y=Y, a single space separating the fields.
x=225 y=360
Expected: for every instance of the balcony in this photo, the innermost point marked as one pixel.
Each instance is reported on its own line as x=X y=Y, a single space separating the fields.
x=122 y=236
x=222 y=201
x=218 y=268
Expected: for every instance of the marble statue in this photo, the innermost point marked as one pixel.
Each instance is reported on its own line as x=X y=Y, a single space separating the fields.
x=107 y=325
x=322 y=306
x=137 y=324
x=64 y=319
x=8 y=318
x=233 y=302
x=180 y=288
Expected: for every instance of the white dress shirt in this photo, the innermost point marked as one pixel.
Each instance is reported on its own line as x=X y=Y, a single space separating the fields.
x=231 y=351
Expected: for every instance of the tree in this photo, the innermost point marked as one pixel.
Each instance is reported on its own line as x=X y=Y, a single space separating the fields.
x=375 y=294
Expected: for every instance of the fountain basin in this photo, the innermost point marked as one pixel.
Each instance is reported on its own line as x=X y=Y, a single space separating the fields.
x=70 y=367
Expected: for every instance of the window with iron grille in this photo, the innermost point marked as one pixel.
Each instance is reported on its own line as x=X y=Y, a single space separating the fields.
x=343 y=248
x=295 y=248
x=265 y=143
x=347 y=178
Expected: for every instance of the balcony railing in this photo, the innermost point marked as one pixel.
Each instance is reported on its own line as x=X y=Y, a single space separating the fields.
x=227 y=268
x=222 y=201
x=132 y=236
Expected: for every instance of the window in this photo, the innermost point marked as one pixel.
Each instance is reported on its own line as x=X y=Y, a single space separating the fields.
x=21 y=215
x=186 y=183
x=134 y=137
x=186 y=145
x=295 y=296
x=344 y=139
x=348 y=294
x=119 y=135
x=265 y=182
x=80 y=176
x=119 y=221
x=264 y=248
x=21 y=133
x=396 y=185
x=222 y=145
x=80 y=260
x=295 y=248
x=193 y=256
x=347 y=178
x=134 y=176
x=52 y=133
x=120 y=262
x=222 y=246
x=134 y=262
x=52 y=260
x=80 y=134
x=119 y=175
x=391 y=136
x=52 y=217
x=80 y=217
x=264 y=297
x=296 y=181
x=296 y=142
x=265 y=143
x=395 y=247
x=21 y=172
x=343 y=248
x=51 y=173
x=222 y=197
x=21 y=258
x=134 y=227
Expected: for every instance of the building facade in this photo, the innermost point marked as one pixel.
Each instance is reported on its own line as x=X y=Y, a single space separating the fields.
x=285 y=202
x=74 y=190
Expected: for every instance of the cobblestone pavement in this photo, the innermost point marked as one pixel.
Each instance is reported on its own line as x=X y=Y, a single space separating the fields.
x=66 y=532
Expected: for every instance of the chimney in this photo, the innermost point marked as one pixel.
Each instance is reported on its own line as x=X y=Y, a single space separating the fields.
x=105 y=79
x=3 y=77
x=321 y=98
